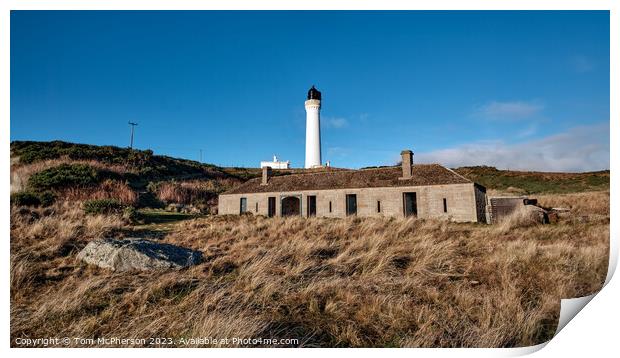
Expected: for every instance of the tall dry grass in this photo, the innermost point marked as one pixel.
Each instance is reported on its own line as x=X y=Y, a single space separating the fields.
x=44 y=240
x=108 y=189
x=21 y=173
x=192 y=191
x=522 y=216
x=327 y=282
x=590 y=203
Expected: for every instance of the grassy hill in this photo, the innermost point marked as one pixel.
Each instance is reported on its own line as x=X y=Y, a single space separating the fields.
x=524 y=182
x=143 y=163
x=134 y=177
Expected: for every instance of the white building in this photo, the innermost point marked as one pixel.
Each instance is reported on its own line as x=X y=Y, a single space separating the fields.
x=313 y=128
x=275 y=164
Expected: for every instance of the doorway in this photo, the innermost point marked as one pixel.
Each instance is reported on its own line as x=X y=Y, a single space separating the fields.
x=243 y=205
x=351 y=204
x=271 y=206
x=311 y=205
x=291 y=206
x=410 y=204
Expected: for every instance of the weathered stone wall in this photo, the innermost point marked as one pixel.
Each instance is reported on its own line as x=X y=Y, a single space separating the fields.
x=461 y=201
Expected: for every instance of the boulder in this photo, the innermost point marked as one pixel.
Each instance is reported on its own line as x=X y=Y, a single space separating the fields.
x=137 y=254
x=537 y=214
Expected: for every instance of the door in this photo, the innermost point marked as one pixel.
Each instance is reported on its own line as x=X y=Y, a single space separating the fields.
x=410 y=204
x=291 y=206
x=271 y=206
x=351 y=204
x=311 y=205
x=243 y=205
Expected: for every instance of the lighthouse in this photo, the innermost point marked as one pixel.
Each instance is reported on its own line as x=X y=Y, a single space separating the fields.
x=313 y=128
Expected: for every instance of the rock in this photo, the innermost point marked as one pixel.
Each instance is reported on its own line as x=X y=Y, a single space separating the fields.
x=534 y=213
x=137 y=254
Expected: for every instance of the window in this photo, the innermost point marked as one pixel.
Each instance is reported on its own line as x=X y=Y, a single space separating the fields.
x=256 y=207
x=378 y=206
x=445 y=205
x=330 y=206
x=243 y=205
x=311 y=205
x=351 y=204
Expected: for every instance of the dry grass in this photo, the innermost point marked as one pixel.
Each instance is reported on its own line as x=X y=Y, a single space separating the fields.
x=43 y=242
x=523 y=216
x=21 y=173
x=108 y=189
x=193 y=191
x=186 y=192
x=326 y=282
x=593 y=203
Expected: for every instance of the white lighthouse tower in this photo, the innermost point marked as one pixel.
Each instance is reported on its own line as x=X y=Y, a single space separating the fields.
x=313 y=128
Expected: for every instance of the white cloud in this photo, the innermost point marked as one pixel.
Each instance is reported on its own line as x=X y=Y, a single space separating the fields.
x=508 y=110
x=334 y=122
x=579 y=149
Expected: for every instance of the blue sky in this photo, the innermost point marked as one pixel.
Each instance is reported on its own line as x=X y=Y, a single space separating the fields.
x=514 y=89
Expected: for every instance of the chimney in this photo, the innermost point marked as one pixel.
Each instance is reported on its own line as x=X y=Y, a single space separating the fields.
x=407 y=163
x=266 y=175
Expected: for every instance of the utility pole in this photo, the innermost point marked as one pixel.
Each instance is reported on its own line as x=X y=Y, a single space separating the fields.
x=132 y=124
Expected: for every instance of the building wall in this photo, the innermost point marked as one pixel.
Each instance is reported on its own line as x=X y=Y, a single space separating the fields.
x=460 y=198
x=501 y=207
x=276 y=165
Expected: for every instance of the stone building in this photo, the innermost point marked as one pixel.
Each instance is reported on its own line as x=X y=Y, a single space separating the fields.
x=420 y=190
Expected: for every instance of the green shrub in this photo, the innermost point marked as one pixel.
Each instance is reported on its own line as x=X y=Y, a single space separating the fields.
x=63 y=176
x=148 y=172
x=150 y=200
x=25 y=198
x=130 y=213
x=47 y=198
x=152 y=186
x=103 y=206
